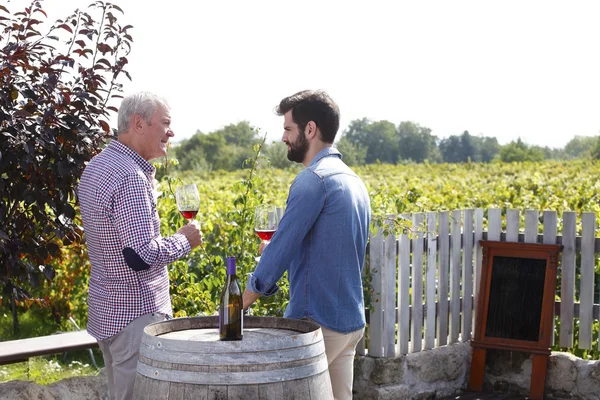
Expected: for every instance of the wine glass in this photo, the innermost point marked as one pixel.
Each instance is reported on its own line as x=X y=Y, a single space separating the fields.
x=188 y=201
x=266 y=221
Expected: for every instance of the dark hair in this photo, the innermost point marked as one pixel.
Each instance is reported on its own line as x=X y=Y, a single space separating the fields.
x=316 y=106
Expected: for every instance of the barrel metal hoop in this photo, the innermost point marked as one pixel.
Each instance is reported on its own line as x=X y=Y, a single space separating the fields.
x=233 y=378
x=278 y=343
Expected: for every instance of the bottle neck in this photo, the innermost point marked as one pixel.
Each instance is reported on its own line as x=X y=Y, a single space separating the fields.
x=230 y=263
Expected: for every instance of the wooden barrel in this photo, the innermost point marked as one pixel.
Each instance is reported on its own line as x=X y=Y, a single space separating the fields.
x=278 y=358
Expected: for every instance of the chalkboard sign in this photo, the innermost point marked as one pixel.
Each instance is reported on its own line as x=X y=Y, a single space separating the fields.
x=515 y=306
x=515 y=301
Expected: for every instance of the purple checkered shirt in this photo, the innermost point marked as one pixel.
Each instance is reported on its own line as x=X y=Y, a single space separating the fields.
x=119 y=210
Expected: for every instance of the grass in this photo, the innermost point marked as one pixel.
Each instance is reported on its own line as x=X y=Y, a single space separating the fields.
x=44 y=370
x=49 y=369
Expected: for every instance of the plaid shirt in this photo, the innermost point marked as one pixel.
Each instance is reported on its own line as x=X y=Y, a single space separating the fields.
x=119 y=210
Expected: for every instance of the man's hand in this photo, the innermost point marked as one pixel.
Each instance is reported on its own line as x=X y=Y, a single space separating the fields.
x=249 y=298
x=192 y=233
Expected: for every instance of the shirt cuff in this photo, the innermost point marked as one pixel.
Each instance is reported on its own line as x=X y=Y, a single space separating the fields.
x=255 y=286
x=183 y=242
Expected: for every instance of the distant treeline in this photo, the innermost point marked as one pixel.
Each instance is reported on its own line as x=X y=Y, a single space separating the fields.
x=369 y=142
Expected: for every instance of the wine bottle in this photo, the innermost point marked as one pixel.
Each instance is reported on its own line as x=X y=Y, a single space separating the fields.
x=230 y=309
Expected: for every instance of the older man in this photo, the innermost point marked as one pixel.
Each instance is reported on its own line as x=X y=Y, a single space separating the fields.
x=129 y=283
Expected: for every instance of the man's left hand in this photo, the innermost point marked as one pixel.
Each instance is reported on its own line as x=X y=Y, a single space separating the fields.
x=249 y=298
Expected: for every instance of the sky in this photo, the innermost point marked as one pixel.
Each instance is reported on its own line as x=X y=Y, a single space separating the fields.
x=508 y=69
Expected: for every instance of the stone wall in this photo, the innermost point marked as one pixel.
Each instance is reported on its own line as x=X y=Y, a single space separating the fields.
x=444 y=371
x=425 y=375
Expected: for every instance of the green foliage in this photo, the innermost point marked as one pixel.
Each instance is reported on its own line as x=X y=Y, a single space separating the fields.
x=352 y=154
x=465 y=148
x=54 y=104
x=276 y=153
x=378 y=138
x=580 y=146
x=596 y=150
x=517 y=151
x=224 y=149
x=48 y=370
x=416 y=143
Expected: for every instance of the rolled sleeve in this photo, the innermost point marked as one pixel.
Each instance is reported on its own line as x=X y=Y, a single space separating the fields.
x=254 y=285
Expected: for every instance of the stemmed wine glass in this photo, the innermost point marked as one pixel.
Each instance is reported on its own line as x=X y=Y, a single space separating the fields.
x=188 y=201
x=266 y=222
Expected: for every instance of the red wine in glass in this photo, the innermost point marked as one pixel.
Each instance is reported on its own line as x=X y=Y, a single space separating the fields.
x=188 y=214
x=265 y=234
x=188 y=201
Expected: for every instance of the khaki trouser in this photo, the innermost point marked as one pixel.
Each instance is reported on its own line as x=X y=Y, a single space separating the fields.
x=120 y=354
x=340 y=349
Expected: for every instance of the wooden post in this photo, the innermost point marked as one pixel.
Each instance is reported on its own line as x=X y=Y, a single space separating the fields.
x=477 y=369
x=539 y=365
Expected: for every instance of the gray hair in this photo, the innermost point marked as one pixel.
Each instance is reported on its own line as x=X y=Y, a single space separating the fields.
x=141 y=103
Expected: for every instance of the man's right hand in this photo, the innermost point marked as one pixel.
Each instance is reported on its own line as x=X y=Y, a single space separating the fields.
x=192 y=233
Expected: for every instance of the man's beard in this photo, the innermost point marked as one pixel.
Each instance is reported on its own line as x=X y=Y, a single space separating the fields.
x=298 y=149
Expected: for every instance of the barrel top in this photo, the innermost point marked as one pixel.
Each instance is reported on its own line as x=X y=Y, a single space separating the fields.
x=212 y=334
x=260 y=333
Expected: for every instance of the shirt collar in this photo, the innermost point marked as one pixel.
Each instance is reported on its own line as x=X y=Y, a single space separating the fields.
x=327 y=151
x=129 y=152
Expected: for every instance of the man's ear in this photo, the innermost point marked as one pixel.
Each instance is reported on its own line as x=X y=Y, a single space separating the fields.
x=137 y=123
x=311 y=130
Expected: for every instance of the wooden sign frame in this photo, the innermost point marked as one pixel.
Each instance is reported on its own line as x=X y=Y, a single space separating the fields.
x=540 y=348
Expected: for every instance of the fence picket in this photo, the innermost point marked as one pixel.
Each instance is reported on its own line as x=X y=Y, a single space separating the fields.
x=567 y=283
x=376 y=316
x=478 y=255
x=455 y=241
x=444 y=254
x=403 y=291
x=467 y=276
x=417 y=282
x=549 y=237
x=430 y=285
x=494 y=224
x=512 y=225
x=531 y=226
x=360 y=347
x=586 y=295
x=389 y=290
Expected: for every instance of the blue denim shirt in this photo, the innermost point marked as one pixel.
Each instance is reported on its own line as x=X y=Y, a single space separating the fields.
x=321 y=242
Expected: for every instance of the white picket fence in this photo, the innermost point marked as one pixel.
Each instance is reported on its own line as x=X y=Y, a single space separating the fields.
x=437 y=264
